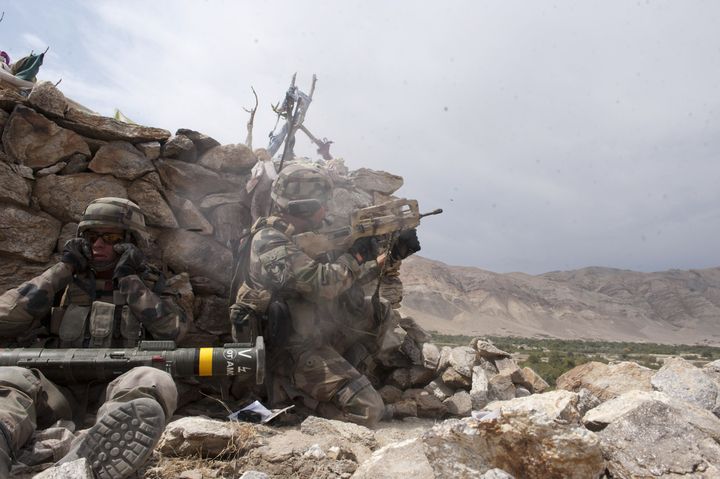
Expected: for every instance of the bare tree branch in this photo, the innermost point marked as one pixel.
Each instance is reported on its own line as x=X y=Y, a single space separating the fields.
x=248 y=140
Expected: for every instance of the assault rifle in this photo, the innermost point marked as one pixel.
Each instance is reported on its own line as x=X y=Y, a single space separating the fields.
x=385 y=219
x=84 y=365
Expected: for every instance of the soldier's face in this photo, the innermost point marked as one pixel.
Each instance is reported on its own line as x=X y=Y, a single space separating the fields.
x=102 y=241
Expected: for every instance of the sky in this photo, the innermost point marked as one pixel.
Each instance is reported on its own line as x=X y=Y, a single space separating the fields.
x=554 y=134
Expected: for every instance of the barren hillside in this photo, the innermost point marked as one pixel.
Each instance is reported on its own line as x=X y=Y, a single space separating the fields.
x=591 y=303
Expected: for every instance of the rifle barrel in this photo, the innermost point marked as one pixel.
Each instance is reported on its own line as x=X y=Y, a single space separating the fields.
x=433 y=212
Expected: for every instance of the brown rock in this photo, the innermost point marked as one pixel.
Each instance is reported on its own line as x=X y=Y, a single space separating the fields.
x=9 y=99
x=180 y=148
x=607 y=381
x=372 y=180
x=4 y=117
x=104 y=128
x=454 y=379
x=400 y=378
x=414 y=330
x=427 y=404
x=66 y=196
x=94 y=143
x=459 y=404
x=486 y=349
x=77 y=163
x=151 y=149
x=219 y=199
x=28 y=234
x=68 y=231
x=198 y=255
x=507 y=366
x=16 y=271
x=212 y=315
x=188 y=215
x=153 y=205
x=229 y=221
x=51 y=170
x=403 y=408
x=37 y=142
x=411 y=349
x=533 y=382
x=420 y=376
x=122 y=160
x=439 y=389
x=193 y=181
x=501 y=388
x=236 y=158
x=390 y=394
x=46 y=98
x=202 y=142
x=13 y=187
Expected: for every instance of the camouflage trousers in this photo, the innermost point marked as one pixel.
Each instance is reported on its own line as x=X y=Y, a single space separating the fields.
x=29 y=401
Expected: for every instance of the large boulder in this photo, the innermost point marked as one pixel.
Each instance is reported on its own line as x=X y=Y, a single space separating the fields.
x=45 y=97
x=66 y=196
x=229 y=220
x=109 y=129
x=151 y=202
x=462 y=359
x=680 y=379
x=122 y=160
x=610 y=411
x=196 y=254
x=77 y=469
x=372 y=180
x=28 y=234
x=37 y=142
x=9 y=99
x=191 y=180
x=655 y=440
x=524 y=442
x=560 y=406
x=486 y=349
x=181 y=148
x=201 y=141
x=236 y=158
x=188 y=215
x=13 y=187
x=607 y=381
x=479 y=389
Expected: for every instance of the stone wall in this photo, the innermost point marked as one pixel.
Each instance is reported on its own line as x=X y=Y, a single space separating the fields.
x=196 y=194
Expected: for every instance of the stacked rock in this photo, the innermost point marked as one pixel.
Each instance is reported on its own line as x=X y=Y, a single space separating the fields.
x=57 y=156
x=453 y=381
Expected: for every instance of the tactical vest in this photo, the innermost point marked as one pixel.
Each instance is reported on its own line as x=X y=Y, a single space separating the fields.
x=80 y=322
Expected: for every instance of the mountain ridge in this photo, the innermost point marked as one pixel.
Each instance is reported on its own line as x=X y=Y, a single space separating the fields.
x=594 y=303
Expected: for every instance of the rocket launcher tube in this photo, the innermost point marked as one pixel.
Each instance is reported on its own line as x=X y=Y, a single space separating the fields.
x=83 y=365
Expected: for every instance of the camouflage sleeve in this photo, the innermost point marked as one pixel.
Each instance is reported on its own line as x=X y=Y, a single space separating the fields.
x=32 y=300
x=160 y=313
x=279 y=264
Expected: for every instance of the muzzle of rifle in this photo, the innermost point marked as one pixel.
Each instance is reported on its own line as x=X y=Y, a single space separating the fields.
x=73 y=366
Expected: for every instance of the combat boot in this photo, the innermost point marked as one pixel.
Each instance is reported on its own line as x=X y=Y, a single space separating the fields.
x=122 y=439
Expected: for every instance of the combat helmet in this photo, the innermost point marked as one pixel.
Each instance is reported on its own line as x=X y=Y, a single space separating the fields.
x=111 y=212
x=301 y=187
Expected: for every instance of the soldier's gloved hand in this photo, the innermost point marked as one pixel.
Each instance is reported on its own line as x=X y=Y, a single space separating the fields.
x=406 y=244
x=77 y=253
x=132 y=260
x=364 y=249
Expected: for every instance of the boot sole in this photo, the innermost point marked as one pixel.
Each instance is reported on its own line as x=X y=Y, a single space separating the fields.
x=122 y=440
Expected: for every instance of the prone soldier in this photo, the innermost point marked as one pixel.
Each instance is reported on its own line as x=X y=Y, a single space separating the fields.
x=108 y=296
x=319 y=325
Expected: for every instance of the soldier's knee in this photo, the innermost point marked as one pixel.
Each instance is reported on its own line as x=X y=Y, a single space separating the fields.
x=360 y=402
x=21 y=379
x=146 y=381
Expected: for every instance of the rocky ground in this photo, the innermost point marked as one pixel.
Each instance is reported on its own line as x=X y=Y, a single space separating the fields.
x=604 y=421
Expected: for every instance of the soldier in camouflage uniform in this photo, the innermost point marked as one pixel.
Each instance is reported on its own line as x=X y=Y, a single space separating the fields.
x=320 y=326
x=108 y=296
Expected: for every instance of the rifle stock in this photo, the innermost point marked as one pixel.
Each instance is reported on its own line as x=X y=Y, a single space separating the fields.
x=84 y=365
